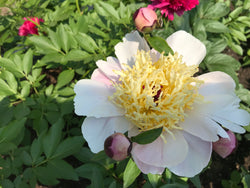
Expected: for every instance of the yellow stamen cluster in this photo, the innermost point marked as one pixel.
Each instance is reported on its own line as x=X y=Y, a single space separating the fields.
x=156 y=94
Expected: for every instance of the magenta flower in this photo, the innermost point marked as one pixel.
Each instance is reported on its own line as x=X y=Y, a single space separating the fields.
x=169 y=7
x=145 y=19
x=29 y=27
x=225 y=146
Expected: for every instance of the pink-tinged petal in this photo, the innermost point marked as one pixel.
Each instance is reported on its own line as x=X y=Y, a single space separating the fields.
x=136 y=37
x=109 y=67
x=162 y=153
x=216 y=83
x=145 y=168
x=96 y=130
x=155 y=55
x=200 y=126
x=199 y=153
x=192 y=50
x=99 y=76
x=225 y=146
x=92 y=99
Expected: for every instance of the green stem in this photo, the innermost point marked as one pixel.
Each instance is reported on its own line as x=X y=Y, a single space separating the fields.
x=78 y=7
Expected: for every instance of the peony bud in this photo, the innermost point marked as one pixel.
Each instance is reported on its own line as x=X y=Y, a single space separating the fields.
x=225 y=146
x=117 y=146
x=30 y=27
x=145 y=20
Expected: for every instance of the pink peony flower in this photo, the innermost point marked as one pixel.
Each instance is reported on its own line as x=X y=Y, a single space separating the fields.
x=145 y=19
x=117 y=146
x=169 y=7
x=142 y=89
x=225 y=146
x=29 y=27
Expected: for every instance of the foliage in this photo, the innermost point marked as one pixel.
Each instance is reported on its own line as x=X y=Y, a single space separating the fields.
x=40 y=137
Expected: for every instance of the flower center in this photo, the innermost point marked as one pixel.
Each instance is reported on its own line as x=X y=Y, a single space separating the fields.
x=157 y=94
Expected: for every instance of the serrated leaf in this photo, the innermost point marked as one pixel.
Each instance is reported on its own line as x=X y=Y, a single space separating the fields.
x=130 y=174
x=159 y=44
x=62 y=169
x=147 y=136
x=64 y=78
x=86 y=42
x=27 y=61
x=43 y=44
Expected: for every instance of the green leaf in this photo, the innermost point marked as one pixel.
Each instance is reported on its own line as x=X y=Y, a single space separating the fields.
x=62 y=169
x=130 y=174
x=214 y=26
x=86 y=42
x=147 y=136
x=174 y=185
x=11 y=80
x=236 y=12
x=12 y=130
x=25 y=91
x=69 y=147
x=52 y=138
x=154 y=179
x=45 y=175
x=10 y=66
x=27 y=61
x=26 y=158
x=109 y=9
x=6 y=112
x=63 y=39
x=218 y=10
x=64 y=78
x=77 y=55
x=21 y=110
x=159 y=44
x=196 y=181
x=5 y=89
x=54 y=37
x=93 y=172
x=43 y=44
x=36 y=149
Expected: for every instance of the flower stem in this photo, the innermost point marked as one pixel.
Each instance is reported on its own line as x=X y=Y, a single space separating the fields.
x=78 y=7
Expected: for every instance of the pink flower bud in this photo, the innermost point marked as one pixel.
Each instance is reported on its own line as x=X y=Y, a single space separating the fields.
x=225 y=146
x=30 y=27
x=117 y=146
x=145 y=19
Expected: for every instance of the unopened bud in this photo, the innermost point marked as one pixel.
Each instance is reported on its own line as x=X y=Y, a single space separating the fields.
x=145 y=20
x=224 y=146
x=117 y=146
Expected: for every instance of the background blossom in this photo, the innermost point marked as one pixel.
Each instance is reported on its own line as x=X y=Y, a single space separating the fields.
x=169 y=7
x=29 y=27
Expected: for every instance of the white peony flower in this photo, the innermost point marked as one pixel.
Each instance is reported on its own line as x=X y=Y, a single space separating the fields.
x=141 y=90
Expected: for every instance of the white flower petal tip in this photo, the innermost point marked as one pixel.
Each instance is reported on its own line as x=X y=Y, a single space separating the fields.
x=225 y=146
x=96 y=130
x=92 y=99
x=192 y=49
x=136 y=37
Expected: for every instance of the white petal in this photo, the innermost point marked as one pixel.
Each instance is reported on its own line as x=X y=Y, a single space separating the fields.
x=99 y=76
x=228 y=124
x=92 y=99
x=108 y=68
x=200 y=126
x=235 y=115
x=192 y=50
x=136 y=37
x=160 y=153
x=216 y=83
x=199 y=153
x=96 y=130
x=145 y=168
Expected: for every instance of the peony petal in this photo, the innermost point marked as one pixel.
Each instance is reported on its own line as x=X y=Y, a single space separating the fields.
x=96 y=130
x=162 y=153
x=109 y=67
x=216 y=83
x=125 y=52
x=145 y=168
x=192 y=50
x=229 y=125
x=136 y=37
x=198 y=156
x=99 y=76
x=92 y=99
x=200 y=126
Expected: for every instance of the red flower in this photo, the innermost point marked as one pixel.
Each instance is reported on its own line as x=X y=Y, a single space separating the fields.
x=29 y=27
x=169 y=7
